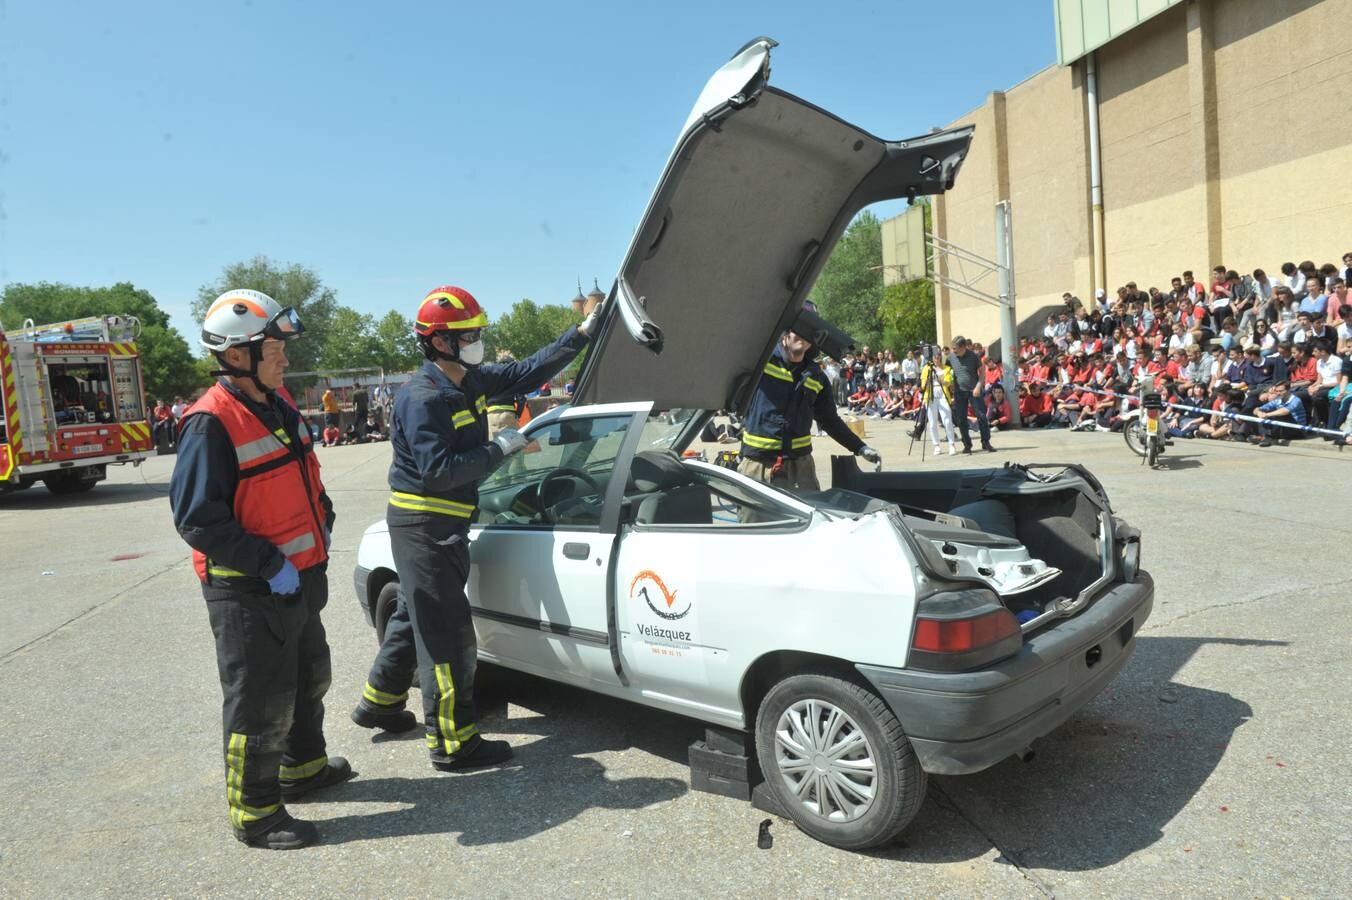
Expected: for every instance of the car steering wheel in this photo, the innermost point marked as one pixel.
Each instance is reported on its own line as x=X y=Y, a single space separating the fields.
x=542 y=492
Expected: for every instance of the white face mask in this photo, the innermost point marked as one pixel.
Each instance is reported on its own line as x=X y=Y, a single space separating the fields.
x=472 y=354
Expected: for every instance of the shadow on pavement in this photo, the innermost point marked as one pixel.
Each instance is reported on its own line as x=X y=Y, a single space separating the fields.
x=1104 y=785
x=103 y=494
x=548 y=782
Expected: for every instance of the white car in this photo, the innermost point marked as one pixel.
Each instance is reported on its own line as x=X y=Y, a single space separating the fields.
x=994 y=603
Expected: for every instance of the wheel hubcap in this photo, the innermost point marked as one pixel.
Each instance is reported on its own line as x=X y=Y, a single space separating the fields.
x=825 y=760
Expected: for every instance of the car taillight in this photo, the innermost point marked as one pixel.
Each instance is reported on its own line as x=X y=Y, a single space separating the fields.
x=1152 y=413
x=964 y=629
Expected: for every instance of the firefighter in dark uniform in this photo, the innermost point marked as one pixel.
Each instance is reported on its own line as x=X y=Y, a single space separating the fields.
x=247 y=497
x=777 y=432
x=442 y=451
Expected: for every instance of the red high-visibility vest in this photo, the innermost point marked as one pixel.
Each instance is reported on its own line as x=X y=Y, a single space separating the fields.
x=278 y=498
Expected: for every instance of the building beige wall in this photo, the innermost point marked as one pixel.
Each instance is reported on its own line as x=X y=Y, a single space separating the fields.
x=1224 y=139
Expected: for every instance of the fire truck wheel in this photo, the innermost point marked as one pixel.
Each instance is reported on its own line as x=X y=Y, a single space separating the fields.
x=67 y=483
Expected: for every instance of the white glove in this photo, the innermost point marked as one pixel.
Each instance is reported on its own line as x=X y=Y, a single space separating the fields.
x=510 y=441
x=871 y=455
x=593 y=321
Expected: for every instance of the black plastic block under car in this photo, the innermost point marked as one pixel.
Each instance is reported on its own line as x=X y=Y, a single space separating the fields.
x=726 y=774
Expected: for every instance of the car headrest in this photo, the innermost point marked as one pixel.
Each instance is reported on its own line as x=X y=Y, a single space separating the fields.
x=657 y=470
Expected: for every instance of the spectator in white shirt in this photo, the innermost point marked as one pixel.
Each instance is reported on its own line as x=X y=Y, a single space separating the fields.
x=910 y=367
x=1181 y=339
x=1345 y=331
x=1294 y=280
x=1330 y=368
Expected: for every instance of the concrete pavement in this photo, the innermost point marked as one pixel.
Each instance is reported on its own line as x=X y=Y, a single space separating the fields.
x=1215 y=764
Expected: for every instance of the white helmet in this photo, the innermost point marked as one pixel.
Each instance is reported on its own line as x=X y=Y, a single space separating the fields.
x=237 y=318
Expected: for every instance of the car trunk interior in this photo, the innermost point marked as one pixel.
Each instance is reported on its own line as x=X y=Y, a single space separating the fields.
x=1058 y=526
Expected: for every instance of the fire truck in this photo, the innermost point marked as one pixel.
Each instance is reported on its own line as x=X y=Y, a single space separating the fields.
x=72 y=403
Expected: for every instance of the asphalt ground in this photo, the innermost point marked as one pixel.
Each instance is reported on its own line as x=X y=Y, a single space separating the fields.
x=1214 y=765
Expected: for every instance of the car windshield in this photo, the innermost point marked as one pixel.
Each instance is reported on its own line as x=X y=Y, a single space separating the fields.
x=662 y=430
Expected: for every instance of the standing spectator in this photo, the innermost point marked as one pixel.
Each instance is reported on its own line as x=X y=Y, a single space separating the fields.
x=967 y=387
x=163 y=426
x=910 y=368
x=177 y=411
x=330 y=406
x=891 y=369
x=936 y=380
x=361 y=402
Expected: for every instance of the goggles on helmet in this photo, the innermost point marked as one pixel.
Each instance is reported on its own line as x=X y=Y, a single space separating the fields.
x=285 y=326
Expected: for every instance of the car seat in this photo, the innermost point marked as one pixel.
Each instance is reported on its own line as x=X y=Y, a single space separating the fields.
x=666 y=492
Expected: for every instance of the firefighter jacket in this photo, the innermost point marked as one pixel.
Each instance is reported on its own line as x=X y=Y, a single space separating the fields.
x=439 y=434
x=787 y=400
x=246 y=492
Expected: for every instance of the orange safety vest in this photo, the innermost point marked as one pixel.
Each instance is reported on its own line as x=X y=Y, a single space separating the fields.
x=278 y=497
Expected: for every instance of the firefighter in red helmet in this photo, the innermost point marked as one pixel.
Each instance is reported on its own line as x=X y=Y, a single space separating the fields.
x=439 y=435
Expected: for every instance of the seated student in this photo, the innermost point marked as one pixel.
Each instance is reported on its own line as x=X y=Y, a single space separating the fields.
x=860 y=398
x=1185 y=422
x=1035 y=405
x=998 y=412
x=331 y=435
x=1066 y=407
x=878 y=403
x=373 y=431
x=1284 y=405
x=1329 y=371
x=1220 y=427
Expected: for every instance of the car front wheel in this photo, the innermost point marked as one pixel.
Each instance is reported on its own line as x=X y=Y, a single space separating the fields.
x=837 y=760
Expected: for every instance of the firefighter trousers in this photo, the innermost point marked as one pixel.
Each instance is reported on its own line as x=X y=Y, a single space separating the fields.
x=273 y=657
x=431 y=630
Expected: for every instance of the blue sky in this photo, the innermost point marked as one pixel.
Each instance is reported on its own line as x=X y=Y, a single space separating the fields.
x=506 y=147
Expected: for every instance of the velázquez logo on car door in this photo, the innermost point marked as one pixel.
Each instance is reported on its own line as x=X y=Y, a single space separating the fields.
x=646 y=584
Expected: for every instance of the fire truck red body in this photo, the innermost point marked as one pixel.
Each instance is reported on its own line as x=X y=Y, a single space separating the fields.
x=72 y=402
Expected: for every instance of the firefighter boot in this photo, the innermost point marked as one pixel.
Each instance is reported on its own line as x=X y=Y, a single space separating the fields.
x=395 y=722
x=285 y=834
x=475 y=753
x=335 y=771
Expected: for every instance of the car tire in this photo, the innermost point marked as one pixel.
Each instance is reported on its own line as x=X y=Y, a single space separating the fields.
x=387 y=598
x=841 y=712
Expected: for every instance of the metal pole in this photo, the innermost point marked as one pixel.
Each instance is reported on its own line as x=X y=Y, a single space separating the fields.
x=1099 y=270
x=1004 y=255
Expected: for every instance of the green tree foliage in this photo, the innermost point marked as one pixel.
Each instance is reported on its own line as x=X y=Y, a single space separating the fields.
x=291 y=285
x=397 y=348
x=849 y=290
x=350 y=341
x=166 y=361
x=908 y=315
x=527 y=327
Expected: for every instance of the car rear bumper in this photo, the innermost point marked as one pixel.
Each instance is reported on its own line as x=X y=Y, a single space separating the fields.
x=361 y=580
x=964 y=722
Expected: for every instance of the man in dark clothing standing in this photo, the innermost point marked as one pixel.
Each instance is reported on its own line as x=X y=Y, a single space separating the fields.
x=441 y=450
x=968 y=386
x=361 y=403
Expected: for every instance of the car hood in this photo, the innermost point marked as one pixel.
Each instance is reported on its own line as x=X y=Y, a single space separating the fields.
x=758 y=189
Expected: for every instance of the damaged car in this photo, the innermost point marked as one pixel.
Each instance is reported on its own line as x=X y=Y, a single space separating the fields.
x=996 y=603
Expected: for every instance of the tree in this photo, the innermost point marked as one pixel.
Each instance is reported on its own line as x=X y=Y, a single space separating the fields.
x=166 y=362
x=849 y=290
x=527 y=327
x=908 y=314
x=291 y=285
x=350 y=341
x=396 y=345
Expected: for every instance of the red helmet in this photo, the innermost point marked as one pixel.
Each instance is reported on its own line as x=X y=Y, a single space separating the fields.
x=446 y=308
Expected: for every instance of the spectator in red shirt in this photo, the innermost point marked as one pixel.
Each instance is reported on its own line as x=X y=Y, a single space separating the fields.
x=998 y=412
x=164 y=424
x=1035 y=406
x=993 y=372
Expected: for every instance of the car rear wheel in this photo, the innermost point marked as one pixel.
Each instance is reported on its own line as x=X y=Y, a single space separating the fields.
x=837 y=760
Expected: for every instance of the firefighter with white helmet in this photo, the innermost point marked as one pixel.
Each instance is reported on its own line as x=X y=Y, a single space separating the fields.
x=247 y=497
x=439 y=436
